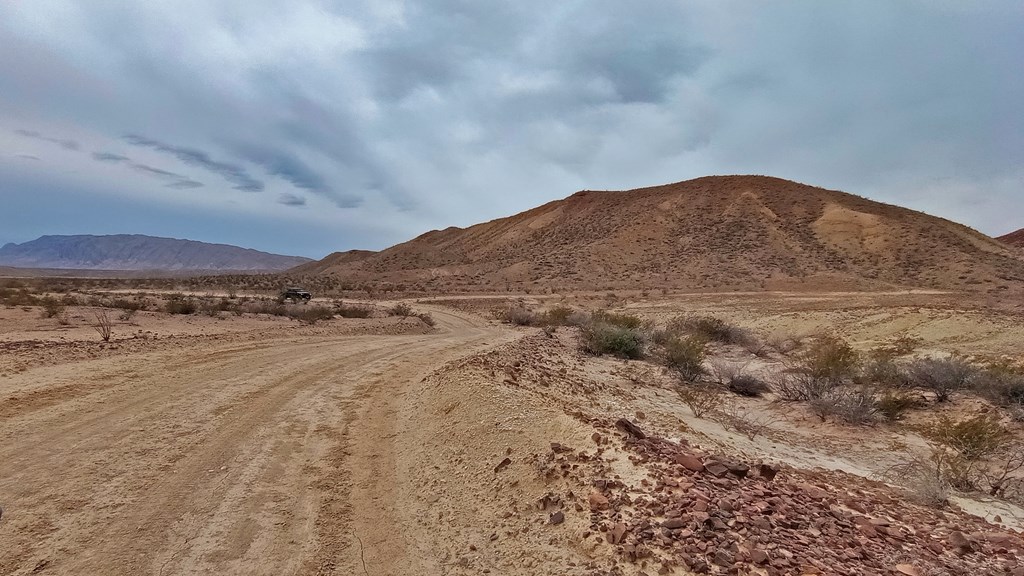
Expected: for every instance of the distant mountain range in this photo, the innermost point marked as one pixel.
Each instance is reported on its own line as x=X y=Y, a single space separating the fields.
x=717 y=232
x=138 y=252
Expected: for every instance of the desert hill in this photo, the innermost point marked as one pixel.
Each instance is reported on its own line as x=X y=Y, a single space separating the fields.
x=716 y=232
x=1013 y=238
x=139 y=252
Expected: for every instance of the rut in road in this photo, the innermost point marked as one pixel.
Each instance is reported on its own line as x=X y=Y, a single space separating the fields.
x=232 y=460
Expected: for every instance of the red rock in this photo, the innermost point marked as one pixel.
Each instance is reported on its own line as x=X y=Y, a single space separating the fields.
x=717 y=469
x=690 y=462
x=557 y=518
x=767 y=471
x=907 y=570
x=674 y=523
x=960 y=542
x=597 y=501
x=758 y=556
x=617 y=533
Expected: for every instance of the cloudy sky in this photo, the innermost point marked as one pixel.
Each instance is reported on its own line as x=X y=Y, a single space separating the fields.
x=311 y=126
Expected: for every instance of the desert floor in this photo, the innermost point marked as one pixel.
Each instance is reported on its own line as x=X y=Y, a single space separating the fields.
x=257 y=445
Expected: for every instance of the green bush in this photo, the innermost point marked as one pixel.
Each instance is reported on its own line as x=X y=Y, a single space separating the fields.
x=520 y=316
x=558 y=316
x=52 y=307
x=710 y=329
x=974 y=438
x=685 y=356
x=604 y=338
x=832 y=359
x=627 y=321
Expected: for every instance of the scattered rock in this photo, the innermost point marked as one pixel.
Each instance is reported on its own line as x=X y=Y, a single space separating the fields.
x=960 y=542
x=674 y=523
x=767 y=471
x=597 y=501
x=617 y=533
x=907 y=570
x=690 y=462
x=630 y=428
x=557 y=518
x=716 y=468
x=502 y=465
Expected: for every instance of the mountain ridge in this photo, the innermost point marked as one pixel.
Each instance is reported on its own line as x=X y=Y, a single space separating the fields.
x=133 y=252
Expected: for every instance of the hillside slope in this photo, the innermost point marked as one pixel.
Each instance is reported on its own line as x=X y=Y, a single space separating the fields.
x=717 y=232
x=1013 y=238
x=138 y=252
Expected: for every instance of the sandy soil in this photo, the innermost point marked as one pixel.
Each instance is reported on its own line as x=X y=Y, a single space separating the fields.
x=215 y=458
x=257 y=445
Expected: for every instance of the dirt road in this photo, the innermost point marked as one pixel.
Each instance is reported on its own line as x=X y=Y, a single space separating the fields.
x=230 y=459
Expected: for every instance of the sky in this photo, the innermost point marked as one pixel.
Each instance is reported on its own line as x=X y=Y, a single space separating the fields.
x=312 y=126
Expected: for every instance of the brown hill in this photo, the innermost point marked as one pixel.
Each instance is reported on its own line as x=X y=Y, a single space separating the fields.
x=331 y=261
x=1014 y=238
x=717 y=232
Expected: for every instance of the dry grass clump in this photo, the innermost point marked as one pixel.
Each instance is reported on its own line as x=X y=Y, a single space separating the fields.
x=310 y=314
x=179 y=304
x=103 y=326
x=701 y=398
x=603 y=338
x=711 y=329
x=685 y=356
x=942 y=376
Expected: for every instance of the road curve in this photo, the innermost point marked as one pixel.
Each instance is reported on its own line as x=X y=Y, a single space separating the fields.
x=231 y=459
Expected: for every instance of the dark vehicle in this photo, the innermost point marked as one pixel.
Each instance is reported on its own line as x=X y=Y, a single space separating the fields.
x=296 y=295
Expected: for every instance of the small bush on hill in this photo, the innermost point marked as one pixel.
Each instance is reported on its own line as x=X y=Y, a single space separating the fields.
x=832 y=359
x=856 y=406
x=748 y=385
x=685 y=356
x=627 y=321
x=711 y=329
x=520 y=316
x=605 y=338
x=702 y=399
x=894 y=404
x=52 y=307
x=942 y=376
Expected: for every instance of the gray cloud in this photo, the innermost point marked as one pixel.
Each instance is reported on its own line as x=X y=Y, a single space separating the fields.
x=291 y=200
x=230 y=172
x=439 y=112
x=109 y=157
x=64 y=143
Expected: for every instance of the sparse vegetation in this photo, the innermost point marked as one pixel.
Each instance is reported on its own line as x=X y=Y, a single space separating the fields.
x=702 y=399
x=685 y=356
x=942 y=376
x=179 y=304
x=103 y=326
x=599 y=337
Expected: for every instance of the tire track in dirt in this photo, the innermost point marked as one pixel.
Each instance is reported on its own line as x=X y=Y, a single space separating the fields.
x=232 y=460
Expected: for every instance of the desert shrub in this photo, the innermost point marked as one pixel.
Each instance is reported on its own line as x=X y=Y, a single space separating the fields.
x=702 y=399
x=894 y=404
x=883 y=371
x=899 y=345
x=52 y=307
x=427 y=319
x=974 y=438
x=17 y=295
x=353 y=311
x=577 y=318
x=1000 y=384
x=179 y=304
x=784 y=343
x=922 y=478
x=711 y=329
x=856 y=406
x=796 y=385
x=830 y=358
x=748 y=385
x=103 y=325
x=685 y=356
x=558 y=316
x=942 y=376
x=605 y=338
x=311 y=314
x=401 y=309
x=127 y=304
x=520 y=316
